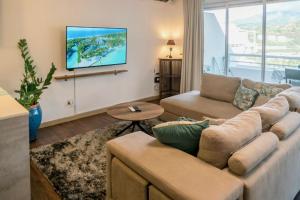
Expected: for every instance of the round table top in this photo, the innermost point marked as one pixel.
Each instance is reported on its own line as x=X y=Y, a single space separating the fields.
x=148 y=111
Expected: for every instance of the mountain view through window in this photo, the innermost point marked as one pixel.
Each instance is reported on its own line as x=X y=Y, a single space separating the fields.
x=275 y=59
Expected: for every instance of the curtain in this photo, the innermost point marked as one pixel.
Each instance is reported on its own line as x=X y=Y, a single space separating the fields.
x=193 y=46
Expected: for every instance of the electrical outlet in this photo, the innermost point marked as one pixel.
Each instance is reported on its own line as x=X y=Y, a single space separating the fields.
x=70 y=102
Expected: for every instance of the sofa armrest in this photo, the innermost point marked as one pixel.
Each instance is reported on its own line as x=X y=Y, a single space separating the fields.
x=177 y=174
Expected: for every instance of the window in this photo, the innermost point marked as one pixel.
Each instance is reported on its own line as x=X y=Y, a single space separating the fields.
x=244 y=42
x=283 y=42
x=214 y=41
x=259 y=42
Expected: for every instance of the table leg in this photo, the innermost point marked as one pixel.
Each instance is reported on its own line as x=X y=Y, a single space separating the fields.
x=133 y=124
x=127 y=127
x=142 y=128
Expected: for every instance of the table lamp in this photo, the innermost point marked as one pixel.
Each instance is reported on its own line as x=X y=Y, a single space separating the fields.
x=171 y=43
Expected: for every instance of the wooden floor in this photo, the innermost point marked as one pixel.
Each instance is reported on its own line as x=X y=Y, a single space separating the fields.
x=40 y=187
x=60 y=132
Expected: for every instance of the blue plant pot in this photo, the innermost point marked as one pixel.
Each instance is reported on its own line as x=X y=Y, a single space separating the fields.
x=35 y=119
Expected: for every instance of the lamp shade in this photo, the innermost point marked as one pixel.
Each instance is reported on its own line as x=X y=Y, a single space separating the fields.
x=171 y=42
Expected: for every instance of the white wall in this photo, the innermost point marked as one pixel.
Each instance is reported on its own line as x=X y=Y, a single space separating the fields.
x=42 y=22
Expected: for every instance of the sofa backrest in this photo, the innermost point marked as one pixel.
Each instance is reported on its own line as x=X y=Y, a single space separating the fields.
x=254 y=84
x=218 y=87
x=217 y=143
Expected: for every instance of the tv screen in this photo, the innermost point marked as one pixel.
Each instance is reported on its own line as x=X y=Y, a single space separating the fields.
x=92 y=47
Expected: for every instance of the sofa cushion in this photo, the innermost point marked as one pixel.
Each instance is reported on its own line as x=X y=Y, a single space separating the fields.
x=177 y=174
x=245 y=98
x=279 y=173
x=183 y=135
x=192 y=105
x=261 y=100
x=293 y=97
x=256 y=85
x=217 y=143
x=266 y=90
x=287 y=125
x=156 y=194
x=274 y=110
x=211 y=121
x=252 y=154
x=126 y=184
x=220 y=88
x=186 y=119
x=269 y=91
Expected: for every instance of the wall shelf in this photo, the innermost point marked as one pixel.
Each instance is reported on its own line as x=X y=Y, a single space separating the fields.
x=66 y=77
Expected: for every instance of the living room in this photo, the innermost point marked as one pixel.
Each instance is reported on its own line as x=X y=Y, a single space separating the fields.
x=149 y=99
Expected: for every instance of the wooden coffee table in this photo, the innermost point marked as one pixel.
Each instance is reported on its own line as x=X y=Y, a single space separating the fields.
x=122 y=112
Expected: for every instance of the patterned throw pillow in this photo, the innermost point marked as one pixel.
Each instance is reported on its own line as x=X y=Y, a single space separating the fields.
x=211 y=121
x=269 y=90
x=185 y=119
x=245 y=98
x=183 y=135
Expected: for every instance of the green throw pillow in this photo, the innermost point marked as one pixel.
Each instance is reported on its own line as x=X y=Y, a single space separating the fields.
x=183 y=135
x=245 y=98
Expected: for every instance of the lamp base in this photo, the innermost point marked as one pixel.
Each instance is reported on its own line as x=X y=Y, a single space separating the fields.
x=170 y=56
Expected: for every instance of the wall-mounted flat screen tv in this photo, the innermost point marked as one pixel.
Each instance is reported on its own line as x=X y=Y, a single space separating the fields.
x=93 y=47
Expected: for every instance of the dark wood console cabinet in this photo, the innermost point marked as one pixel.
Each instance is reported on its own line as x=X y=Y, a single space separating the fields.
x=170 y=76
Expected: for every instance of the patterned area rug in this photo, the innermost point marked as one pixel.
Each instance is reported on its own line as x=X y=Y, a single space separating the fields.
x=76 y=167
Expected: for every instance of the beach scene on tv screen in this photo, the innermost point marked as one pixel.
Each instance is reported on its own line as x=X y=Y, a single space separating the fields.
x=88 y=47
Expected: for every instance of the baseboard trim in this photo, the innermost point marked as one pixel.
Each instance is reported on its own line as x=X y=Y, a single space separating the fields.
x=87 y=114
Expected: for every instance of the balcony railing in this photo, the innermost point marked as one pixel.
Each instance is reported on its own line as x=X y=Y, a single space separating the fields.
x=278 y=69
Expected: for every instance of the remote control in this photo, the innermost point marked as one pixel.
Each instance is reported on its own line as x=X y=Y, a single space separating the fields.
x=131 y=109
x=137 y=109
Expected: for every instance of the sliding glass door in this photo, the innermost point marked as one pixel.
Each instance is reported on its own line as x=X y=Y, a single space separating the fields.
x=259 y=42
x=245 y=42
x=214 y=41
x=283 y=42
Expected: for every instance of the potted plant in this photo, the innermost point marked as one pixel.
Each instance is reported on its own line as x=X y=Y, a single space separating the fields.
x=31 y=89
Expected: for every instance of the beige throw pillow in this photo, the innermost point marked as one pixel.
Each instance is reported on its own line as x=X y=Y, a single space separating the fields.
x=293 y=97
x=220 y=88
x=272 y=111
x=261 y=100
x=217 y=143
x=287 y=125
x=246 y=159
x=256 y=85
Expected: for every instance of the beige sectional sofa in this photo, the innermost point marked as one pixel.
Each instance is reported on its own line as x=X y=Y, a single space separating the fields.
x=236 y=159
x=215 y=100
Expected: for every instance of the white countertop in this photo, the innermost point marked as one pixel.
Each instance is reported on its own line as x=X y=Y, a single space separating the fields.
x=3 y=92
x=10 y=108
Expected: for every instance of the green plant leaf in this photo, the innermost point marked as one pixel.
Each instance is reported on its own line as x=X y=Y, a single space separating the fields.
x=32 y=86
